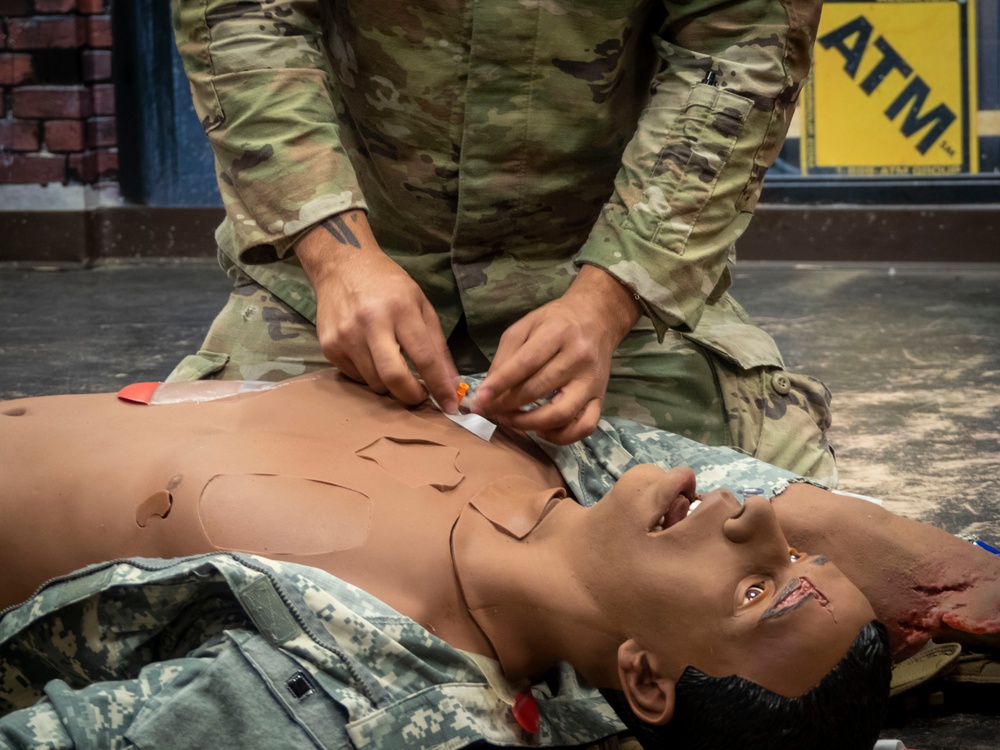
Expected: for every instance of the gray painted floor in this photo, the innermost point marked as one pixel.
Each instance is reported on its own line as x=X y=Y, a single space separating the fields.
x=911 y=353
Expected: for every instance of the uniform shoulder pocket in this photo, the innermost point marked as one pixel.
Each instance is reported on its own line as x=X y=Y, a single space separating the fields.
x=688 y=152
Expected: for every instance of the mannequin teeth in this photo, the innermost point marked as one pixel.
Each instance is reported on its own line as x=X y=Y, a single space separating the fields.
x=664 y=522
x=660 y=524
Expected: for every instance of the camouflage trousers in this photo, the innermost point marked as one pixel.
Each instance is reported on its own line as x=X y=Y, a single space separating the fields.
x=724 y=384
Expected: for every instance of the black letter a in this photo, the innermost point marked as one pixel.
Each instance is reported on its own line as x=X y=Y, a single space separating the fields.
x=853 y=54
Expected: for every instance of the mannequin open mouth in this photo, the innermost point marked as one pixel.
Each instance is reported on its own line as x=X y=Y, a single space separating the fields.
x=677 y=510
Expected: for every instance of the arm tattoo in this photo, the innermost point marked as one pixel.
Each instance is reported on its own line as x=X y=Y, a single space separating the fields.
x=337 y=227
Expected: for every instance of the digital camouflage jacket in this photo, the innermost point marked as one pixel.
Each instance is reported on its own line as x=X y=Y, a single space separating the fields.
x=231 y=650
x=497 y=143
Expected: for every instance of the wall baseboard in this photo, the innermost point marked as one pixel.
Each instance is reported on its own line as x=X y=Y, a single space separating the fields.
x=920 y=233
x=107 y=233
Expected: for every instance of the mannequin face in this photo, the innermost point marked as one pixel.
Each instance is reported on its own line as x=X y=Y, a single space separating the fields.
x=719 y=589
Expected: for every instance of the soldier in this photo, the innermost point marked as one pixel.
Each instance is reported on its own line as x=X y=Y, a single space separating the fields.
x=553 y=187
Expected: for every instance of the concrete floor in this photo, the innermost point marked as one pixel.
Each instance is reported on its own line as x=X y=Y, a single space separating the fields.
x=911 y=353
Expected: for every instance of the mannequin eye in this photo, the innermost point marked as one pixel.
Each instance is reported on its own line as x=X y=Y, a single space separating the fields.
x=753 y=592
x=794 y=555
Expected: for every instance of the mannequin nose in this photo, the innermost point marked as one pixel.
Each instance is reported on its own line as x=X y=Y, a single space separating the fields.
x=756 y=523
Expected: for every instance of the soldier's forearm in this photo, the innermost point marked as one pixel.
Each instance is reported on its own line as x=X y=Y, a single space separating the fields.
x=333 y=241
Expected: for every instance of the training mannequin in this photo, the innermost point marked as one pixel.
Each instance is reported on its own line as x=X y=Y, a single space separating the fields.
x=195 y=477
x=473 y=540
x=378 y=495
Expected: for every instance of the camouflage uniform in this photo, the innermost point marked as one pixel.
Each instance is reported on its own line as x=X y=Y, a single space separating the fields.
x=496 y=147
x=232 y=650
x=592 y=466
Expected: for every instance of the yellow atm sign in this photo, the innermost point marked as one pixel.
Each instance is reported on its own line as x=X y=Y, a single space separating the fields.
x=892 y=89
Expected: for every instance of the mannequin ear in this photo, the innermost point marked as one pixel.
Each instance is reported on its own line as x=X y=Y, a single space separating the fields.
x=650 y=694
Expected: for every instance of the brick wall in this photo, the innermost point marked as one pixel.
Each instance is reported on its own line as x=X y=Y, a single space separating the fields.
x=57 y=100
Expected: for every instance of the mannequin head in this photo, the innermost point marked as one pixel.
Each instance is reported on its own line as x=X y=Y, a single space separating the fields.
x=843 y=712
x=714 y=597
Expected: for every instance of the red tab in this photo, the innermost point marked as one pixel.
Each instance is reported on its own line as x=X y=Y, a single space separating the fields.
x=139 y=393
x=526 y=712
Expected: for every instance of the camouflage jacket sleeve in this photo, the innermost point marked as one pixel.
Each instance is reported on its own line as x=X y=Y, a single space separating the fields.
x=593 y=465
x=691 y=175
x=261 y=87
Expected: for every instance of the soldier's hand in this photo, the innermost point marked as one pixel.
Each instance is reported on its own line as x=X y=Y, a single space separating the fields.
x=563 y=350
x=371 y=315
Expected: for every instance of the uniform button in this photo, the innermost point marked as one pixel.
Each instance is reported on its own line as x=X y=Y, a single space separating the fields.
x=780 y=383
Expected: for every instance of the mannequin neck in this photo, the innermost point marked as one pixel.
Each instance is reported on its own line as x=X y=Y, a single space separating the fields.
x=524 y=588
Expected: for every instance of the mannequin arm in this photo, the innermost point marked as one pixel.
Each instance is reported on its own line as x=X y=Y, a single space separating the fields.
x=922 y=581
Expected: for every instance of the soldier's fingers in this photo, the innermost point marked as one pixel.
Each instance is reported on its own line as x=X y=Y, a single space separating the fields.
x=563 y=410
x=553 y=376
x=393 y=371
x=364 y=374
x=348 y=370
x=511 y=342
x=359 y=359
x=507 y=376
x=500 y=375
x=425 y=345
x=583 y=425
x=344 y=345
